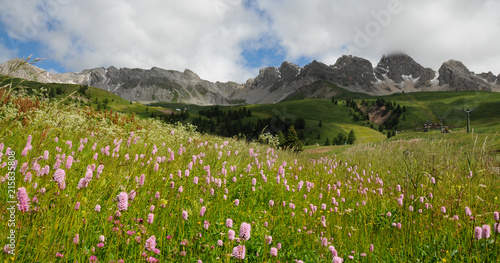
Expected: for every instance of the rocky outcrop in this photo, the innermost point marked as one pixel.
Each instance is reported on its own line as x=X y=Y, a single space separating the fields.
x=457 y=77
x=401 y=67
x=355 y=73
x=488 y=77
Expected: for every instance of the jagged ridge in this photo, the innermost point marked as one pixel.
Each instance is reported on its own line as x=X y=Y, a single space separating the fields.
x=394 y=73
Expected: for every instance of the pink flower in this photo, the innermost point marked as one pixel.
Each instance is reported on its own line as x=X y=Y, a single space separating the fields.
x=371 y=247
x=184 y=215
x=478 y=233
x=69 y=162
x=269 y=239
x=239 y=252
x=230 y=234
x=274 y=252
x=123 y=201
x=22 y=199
x=203 y=210
x=443 y=209
x=337 y=260
x=59 y=177
x=142 y=179
x=151 y=218
x=245 y=231
x=220 y=243
x=76 y=240
x=237 y=202
x=150 y=243
x=486 y=231
x=100 y=245
x=496 y=216
x=101 y=238
x=97 y=208
x=77 y=206
x=229 y=222
x=206 y=224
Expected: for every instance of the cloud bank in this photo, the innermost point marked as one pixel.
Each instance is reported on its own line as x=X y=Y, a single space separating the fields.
x=213 y=37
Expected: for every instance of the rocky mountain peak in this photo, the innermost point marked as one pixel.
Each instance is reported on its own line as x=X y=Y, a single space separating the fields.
x=191 y=74
x=489 y=77
x=400 y=67
x=458 y=77
x=289 y=71
x=354 y=71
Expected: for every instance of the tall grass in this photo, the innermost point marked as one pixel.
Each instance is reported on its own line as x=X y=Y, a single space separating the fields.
x=309 y=205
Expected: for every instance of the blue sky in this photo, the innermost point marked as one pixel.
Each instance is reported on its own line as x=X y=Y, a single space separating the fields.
x=230 y=40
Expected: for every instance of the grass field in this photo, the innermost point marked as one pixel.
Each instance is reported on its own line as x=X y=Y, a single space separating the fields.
x=87 y=186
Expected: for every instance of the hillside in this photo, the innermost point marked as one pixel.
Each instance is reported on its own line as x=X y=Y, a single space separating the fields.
x=84 y=185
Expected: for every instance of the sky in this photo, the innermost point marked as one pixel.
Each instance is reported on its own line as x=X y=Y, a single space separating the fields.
x=230 y=40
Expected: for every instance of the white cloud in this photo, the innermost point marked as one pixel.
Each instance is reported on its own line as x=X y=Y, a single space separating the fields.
x=205 y=36
x=432 y=32
x=6 y=53
x=209 y=36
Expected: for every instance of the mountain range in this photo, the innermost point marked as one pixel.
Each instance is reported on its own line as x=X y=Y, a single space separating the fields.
x=395 y=73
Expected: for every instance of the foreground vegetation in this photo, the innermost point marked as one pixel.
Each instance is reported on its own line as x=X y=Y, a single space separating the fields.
x=94 y=186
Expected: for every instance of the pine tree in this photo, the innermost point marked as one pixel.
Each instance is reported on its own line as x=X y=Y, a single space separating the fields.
x=327 y=142
x=320 y=124
x=351 y=138
x=292 y=140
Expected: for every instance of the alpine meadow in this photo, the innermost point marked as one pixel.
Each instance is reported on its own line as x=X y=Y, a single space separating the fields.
x=85 y=180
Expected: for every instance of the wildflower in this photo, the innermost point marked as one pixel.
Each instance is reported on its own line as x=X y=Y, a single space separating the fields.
x=69 y=162
x=123 y=201
x=59 y=177
x=468 y=212
x=372 y=248
x=151 y=218
x=150 y=243
x=274 y=252
x=100 y=245
x=22 y=199
x=142 y=179
x=77 y=206
x=229 y=222
x=206 y=224
x=203 y=210
x=230 y=234
x=496 y=216
x=478 y=232
x=443 y=210
x=239 y=252
x=101 y=238
x=76 y=240
x=184 y=215
x=220 y=243
x=337 y=260
x=486 y=231
x=245 y=231
x=237 y=202
x=269 y=239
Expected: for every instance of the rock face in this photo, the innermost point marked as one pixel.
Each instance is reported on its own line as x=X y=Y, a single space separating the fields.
x=458 y=77
x=401 y=67
x=355 y=73
x=393 y=74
